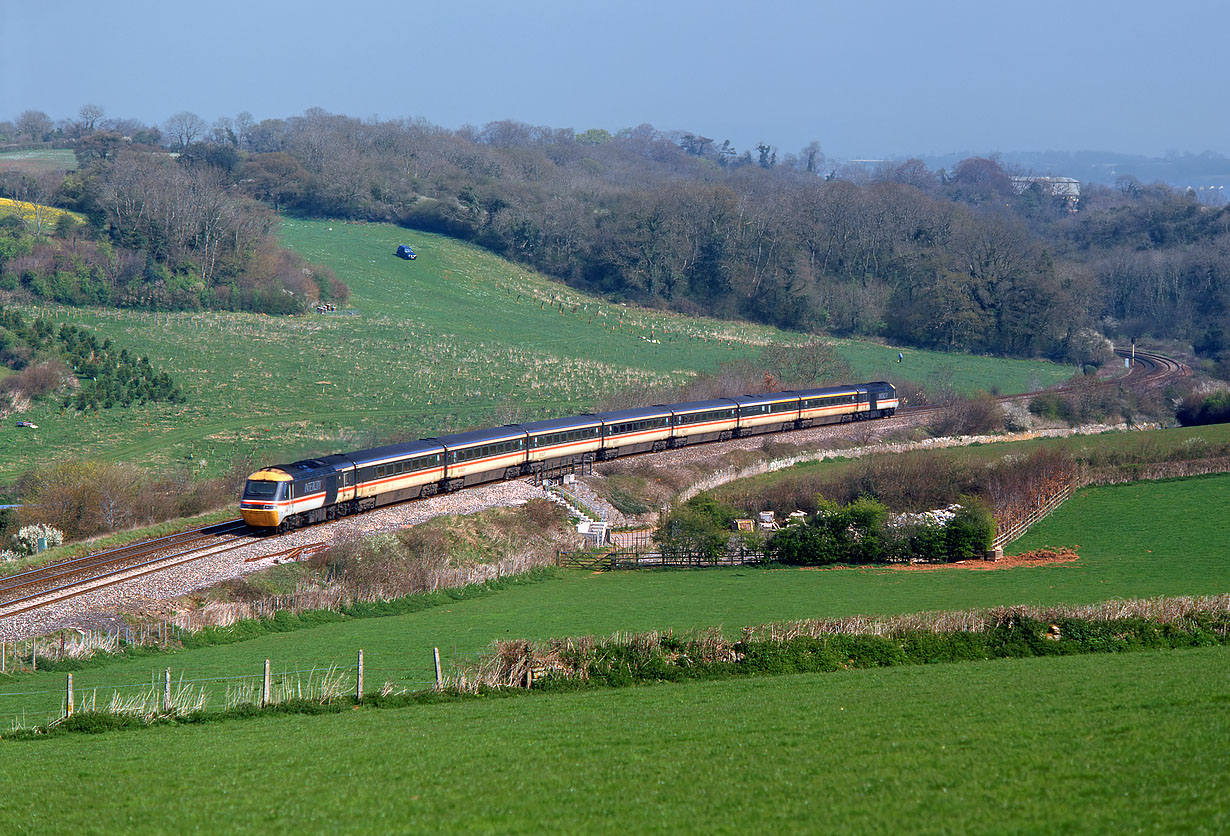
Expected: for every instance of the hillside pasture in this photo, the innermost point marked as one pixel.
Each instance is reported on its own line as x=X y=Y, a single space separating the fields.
x=456 y=338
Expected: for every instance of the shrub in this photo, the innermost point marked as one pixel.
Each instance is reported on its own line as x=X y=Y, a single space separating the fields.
x=1212 y=409
x=976 y=415
x=969 y=534
x=859 y=533
x=699 y=527
x=1052 y=406
x=852 y=533
x=25 y=541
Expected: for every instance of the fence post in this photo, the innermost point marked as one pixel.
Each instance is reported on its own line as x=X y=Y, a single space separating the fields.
x=166 y=691
x=265 y=690
x=3 y=652
x=358 y=688
x=69 y=712
x=439 y=675
x=34 y=653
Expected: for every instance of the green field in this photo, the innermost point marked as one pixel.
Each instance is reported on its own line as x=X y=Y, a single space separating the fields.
x=1103 y=448
x=1129 y=554
x=39 y=161
x=456 y=338
x=1091 y=744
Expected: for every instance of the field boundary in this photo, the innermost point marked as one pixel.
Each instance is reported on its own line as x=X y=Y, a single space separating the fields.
x=734 y=474
x=1120 y=475
x=622 y=659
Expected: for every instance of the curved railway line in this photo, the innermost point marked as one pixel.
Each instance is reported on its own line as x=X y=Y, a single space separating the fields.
x=58 y=582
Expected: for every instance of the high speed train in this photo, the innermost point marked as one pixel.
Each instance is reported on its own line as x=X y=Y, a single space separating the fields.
x=286 y=496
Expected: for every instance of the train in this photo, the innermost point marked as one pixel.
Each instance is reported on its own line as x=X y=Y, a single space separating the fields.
x=287 y=496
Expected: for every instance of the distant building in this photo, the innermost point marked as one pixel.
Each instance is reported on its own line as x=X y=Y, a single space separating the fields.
x=1067 y=188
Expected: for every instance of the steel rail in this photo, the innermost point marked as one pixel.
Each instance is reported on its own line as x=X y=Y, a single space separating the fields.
x=54 y=571
x=1154 y=366
x=116 y=576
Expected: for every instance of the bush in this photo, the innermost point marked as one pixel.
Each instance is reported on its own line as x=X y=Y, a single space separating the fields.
x=1052 y=406
x=25 y=541
x=1212 y=409
x=859 y=533
x=976 y=415
x=851 y=533
x=970 y=533
x=700 y=527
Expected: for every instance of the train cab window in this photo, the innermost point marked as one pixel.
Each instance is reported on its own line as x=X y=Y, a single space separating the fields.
x=260 y=489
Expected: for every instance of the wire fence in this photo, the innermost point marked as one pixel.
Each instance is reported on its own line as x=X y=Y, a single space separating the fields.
x=30 y=698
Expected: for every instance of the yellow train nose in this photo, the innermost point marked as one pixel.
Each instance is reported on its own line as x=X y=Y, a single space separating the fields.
x=260 y=519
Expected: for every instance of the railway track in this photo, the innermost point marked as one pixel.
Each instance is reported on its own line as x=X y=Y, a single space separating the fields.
x=67 y=579
x=1148 y=370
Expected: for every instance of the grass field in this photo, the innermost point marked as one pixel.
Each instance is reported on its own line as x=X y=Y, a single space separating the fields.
x=39 y=161
x=1126 y=552
x=456 y=338
x=1153 y=445
x=1091 y=744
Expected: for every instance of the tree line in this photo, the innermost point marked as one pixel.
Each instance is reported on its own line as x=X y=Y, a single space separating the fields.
x=165 y=230
x=961 y=259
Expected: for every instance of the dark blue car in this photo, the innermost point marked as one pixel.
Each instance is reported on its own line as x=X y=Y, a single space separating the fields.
x=404 y=251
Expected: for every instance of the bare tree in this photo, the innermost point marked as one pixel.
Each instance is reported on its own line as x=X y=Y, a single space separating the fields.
x=243 y=127
x=35 y=125
x=185 y=127
x=34 y=190
x=223 y=131
x=812 y=158
x=89 y=116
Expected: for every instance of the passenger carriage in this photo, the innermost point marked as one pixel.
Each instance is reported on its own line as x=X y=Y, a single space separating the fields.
x=628 y=431
x=482 y=456
x=697 y=421
x=768 y=413
x=397 y=472
x=561 y=442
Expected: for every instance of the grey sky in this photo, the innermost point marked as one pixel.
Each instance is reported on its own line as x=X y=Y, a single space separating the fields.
x=866 y=78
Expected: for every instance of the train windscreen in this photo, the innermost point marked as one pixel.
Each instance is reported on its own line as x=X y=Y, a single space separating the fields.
x=256 y=489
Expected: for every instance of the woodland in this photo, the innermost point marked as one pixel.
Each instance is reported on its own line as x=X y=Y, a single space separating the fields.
x=185 y=216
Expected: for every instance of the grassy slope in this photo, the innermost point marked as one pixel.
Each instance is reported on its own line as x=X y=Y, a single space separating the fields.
x=1129 y=554
x=1151 y=445
x=426 y=345
x=1093 y=744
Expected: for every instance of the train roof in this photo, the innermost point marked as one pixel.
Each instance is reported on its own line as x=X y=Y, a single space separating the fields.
x=702 y=406
x=557 y=424
x=767 y=397
x=656 y=411
x=475 y=437
x=308 y=468
x=395 y=452
x=827 y=390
